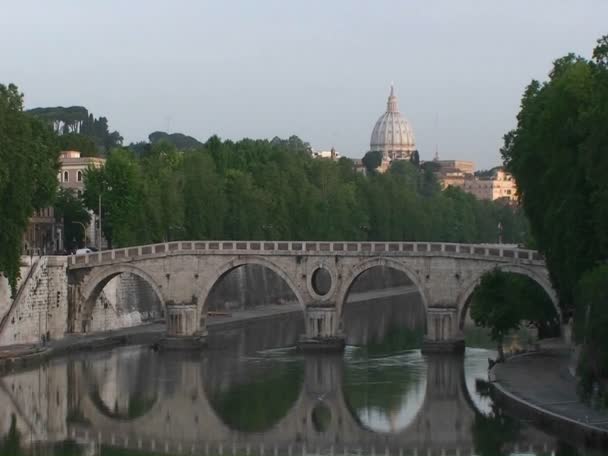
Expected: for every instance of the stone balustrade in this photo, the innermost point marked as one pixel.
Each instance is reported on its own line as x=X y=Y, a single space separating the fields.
x=269 y=248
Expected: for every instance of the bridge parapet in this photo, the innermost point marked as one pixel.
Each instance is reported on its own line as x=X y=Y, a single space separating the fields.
x=302 y=248
x=183 y=273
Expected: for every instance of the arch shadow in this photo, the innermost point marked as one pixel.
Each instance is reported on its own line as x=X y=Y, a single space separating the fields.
x=100 y=279
x=464 y=300
x=366 y=265
x=235 y=263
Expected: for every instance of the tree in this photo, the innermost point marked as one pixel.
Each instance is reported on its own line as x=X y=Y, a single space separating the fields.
x=591 y=320
x=493 y=431
x=372 y=160
x=504 y=301
x=204 y=198
x=76 y=120
x=492 y=308
x=557 y=154
x=76 y=141
x=70 y=209
x=179 y=140
x=123 y=204
x=28 y=175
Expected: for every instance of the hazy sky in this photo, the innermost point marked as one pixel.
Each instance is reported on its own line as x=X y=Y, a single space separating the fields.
x=317 y=69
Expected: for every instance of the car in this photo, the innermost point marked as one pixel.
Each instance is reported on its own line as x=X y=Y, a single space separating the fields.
x=83 y=251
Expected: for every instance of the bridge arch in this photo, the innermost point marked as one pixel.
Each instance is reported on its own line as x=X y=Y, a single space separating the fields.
x=542 y=281
x=366 y=265
x=234 y=263
x=100 y=278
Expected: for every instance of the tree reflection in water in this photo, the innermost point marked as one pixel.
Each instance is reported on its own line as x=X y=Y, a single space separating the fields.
x=492 y=431
x=257 y=404
x=385 y=393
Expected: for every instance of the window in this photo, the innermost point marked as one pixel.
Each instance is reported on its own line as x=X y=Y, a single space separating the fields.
x=65 y=176
x=79 y=176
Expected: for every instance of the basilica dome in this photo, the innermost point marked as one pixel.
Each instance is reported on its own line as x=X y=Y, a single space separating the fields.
x=392 y=134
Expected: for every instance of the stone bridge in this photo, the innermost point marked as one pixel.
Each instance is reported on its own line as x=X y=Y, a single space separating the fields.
x=320 y=275
x=183 y=420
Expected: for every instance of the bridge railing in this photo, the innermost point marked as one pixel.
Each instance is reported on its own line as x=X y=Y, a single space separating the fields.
x=307 y=248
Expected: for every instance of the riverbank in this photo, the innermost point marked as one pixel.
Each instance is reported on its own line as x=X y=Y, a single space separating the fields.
x=20 y=356
x=539 y=386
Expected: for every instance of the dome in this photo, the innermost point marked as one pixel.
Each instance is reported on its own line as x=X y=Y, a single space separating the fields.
x=392 y=134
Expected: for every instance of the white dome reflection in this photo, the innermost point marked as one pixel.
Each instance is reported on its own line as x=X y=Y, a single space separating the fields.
x=391 y=403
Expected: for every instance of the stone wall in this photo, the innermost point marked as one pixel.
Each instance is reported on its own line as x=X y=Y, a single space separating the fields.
x=40 y=309
x=127 y=300
x=37 y=399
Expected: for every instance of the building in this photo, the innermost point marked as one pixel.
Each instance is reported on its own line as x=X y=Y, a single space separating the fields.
x=461 y=174
x=43 y=233
x=71 y=176
x=501 y=185
x=453 y=173
x=330 y=154
x=392 y=135
x=73 y=167
x=455 y=166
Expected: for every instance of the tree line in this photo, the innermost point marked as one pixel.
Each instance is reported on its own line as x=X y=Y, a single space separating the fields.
x=274 y=189
x=558 y=153
x=249 y=189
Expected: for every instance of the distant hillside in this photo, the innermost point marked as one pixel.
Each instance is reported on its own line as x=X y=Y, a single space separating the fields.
x=179 y=140
x=79 y=129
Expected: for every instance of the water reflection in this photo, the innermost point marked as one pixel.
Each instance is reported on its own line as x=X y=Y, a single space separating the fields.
x=137 y=401
x=402 y=401
x=385 y=393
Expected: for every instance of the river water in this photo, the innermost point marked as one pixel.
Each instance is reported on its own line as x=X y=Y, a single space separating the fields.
x=250 y=393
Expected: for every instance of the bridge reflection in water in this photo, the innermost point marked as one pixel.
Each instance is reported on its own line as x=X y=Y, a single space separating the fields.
x=215 y=403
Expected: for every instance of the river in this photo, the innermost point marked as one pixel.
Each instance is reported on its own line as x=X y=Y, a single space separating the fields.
x=250 y=393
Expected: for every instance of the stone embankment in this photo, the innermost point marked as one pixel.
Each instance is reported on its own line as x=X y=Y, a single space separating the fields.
x=539 y=386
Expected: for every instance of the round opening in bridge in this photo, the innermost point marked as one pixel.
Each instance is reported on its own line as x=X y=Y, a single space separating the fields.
x=321 y=281
x=321 y=418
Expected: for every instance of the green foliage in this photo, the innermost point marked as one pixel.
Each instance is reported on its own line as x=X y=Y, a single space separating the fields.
x=558 y=156
x=591 y=319
x=503 y=300
x=493 y=307
x=179 y=140
x=492 y=432
x=70 y=209
x=257 y=189
x=258 y=405
x=75 y=141
x=121 y=186
x=377 y=386
x=28 y=175
x=80 y=127
x=372 y=160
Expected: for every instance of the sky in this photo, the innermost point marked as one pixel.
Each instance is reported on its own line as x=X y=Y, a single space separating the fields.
x=319 y=69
